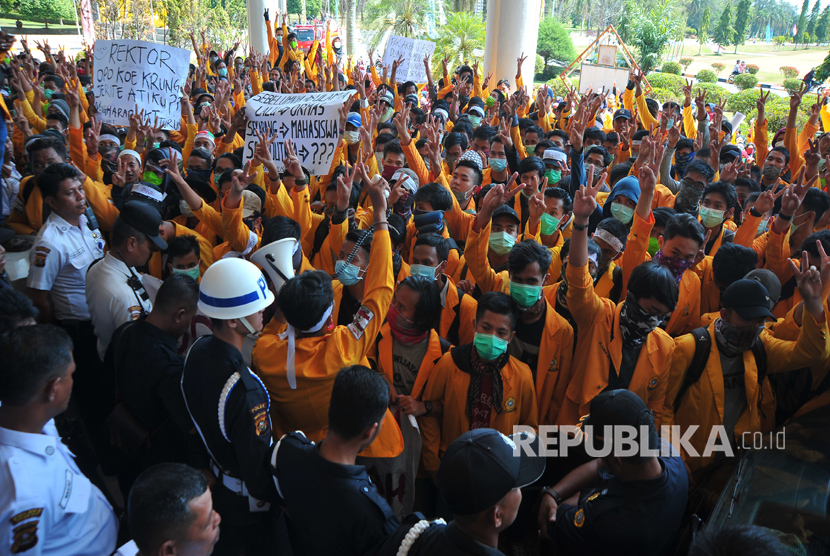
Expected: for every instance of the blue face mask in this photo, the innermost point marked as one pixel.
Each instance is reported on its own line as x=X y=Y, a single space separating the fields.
x=423 y=270
x=347 y=273
x=223 y=72
x=681 y=161
x=498 y=164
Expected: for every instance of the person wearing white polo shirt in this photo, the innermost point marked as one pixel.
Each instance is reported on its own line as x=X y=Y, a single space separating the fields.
x=114 y=290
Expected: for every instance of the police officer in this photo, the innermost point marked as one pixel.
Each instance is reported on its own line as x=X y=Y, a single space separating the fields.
x=230 y=407
x=618 y=504
x=47 y=506
x=114 y=291
x=65 y=246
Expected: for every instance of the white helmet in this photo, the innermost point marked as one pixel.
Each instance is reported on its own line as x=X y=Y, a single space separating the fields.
x=233 y=289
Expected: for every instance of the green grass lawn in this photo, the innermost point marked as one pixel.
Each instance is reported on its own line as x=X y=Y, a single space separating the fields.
x=10 y=25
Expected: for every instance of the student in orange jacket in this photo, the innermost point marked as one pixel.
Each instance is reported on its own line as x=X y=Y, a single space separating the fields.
x=544 y=339
x=620 y=346
x=429 y=259
x=717 y=206
x=728 y=392
x=479 y=384
x=298 y=367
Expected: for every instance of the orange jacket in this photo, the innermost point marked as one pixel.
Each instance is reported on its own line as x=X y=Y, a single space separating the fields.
x=600 y=344
x=449 y=384
x=318 y=359
x=703 y=403
x=381 y=357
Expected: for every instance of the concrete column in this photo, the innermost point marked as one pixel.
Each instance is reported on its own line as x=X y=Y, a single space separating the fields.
x=512 y=28
x=256 y=25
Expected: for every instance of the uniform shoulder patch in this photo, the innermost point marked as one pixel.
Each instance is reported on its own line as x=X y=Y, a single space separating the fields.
x=579 y=518
x=41 y=252
x=24 y=535
x=135 y=312
x=261 y=423
x=361 y=320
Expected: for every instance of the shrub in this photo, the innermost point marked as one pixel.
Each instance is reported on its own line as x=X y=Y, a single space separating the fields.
x=669 y=81
x=686 y=62
x=792 y=85
x=745 y=81
x=706 y=76
x=718 y=67
x=53 y=10
x=789 y=72
x=662 y=95
x=776 y=113
x=559 y=89
x=714 y=92
x=671 y=67
x=744 y=101
x=752 y=68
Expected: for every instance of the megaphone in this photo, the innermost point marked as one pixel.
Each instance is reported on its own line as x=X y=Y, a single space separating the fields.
x=276 y=260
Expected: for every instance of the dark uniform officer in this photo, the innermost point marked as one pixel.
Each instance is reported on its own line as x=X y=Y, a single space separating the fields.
x=143 y=359
x=619 y=515
x=229 y=406
x=480 y=469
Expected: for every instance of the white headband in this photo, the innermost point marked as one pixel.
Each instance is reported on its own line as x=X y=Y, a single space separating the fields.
x=636 y=143
x=441 y=112
x=109 y=137
x=553 y=154
x=131 y=153
x=606 y=236
x=289 y=333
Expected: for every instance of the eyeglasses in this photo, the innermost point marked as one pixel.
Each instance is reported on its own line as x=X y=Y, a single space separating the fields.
x=692 y=183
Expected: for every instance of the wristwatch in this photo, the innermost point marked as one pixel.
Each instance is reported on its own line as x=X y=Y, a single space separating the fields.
x=580 y=227
x=427 y=407
x=553 y=494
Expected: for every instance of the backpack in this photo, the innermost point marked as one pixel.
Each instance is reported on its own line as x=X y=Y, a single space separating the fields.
x=703 y=348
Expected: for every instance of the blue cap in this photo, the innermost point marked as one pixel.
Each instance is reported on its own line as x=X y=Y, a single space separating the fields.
x=354 y=119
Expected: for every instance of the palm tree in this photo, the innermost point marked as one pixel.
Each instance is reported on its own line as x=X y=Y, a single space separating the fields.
x=460 y=38
x=404 y=18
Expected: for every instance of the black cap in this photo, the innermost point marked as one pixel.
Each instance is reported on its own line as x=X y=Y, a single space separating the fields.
x=412 y=98
x=750 y=299
x=508 y=211
x=621 y=407
x=726 y=126
x=622 y=113
x=481 y=466
x=728 y=153
x=145 y=219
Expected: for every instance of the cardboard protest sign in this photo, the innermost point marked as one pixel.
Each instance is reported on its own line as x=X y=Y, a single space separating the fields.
x=131 y=72
x=412 y=51
x=310 y=120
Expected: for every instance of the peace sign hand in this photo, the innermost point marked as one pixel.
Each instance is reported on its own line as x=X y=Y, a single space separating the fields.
x=808 y=279
x=766 y=200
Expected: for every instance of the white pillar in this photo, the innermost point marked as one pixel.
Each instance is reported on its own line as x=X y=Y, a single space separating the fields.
x=512 y=28
x=256 y=26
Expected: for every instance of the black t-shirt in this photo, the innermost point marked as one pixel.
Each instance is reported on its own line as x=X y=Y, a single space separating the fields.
x=525 y=345
x=332 y=508
x=446 y=540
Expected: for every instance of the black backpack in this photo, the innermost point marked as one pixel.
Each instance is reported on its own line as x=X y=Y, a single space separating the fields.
x=703 y=348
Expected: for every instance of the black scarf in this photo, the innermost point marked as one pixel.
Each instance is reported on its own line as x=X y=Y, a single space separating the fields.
x=466 y=358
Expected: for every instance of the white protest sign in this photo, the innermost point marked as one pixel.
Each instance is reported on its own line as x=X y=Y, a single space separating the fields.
x=310 y=120
x=150 y=75
x=412 y=51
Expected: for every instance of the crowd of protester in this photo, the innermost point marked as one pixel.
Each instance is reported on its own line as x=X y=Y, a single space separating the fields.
x=215 y=357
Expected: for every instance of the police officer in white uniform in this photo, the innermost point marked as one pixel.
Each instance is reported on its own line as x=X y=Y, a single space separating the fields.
x=114 y=290
x=65 y=246
x=47 y=506
x=230 y=408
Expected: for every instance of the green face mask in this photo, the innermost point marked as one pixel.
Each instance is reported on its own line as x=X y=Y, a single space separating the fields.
x=193 y=272
x=524 y=295
x=653 y=246
x=48 y=93
x=554 y=176
x=475 y=120
x=793 y=228
x=549 y=224
x=489 y=347
x=152 y=177
x=711 y=217
x=293 y=44
x=622 y=212
x=501 y=242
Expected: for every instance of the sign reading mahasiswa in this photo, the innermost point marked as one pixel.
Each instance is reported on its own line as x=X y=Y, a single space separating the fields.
x=311 y=121
x=150 y=75
x=412 y=51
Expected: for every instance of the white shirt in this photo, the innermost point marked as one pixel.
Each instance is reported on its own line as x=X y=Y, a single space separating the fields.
x=129 y=549
x=58 y=263
x=112 y=301
x=47 y=506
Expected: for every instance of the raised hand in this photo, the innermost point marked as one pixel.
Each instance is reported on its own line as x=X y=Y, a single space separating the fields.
x=585 y=200
x=808 y=279
x=766 y=200
x=119 y=178
x=292 y=161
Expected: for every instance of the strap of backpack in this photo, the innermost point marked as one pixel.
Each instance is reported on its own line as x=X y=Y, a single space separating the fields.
x=703 y=347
